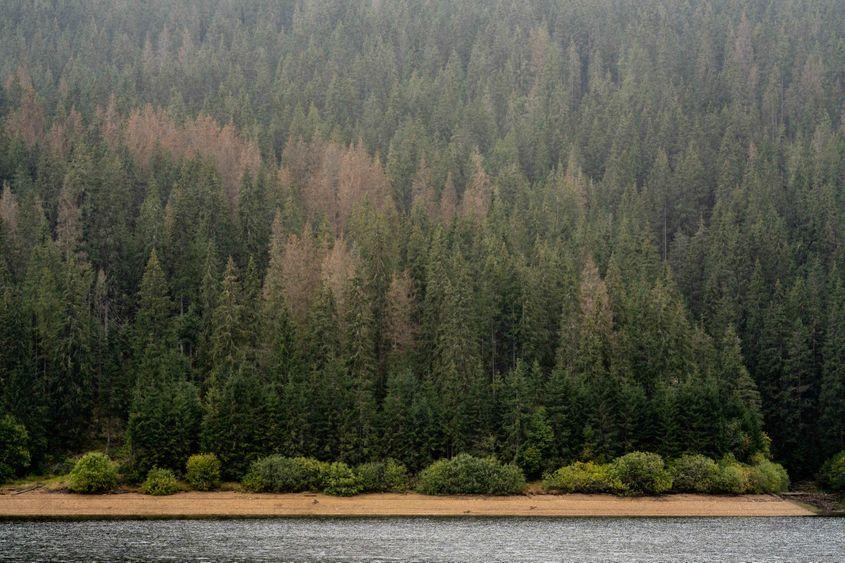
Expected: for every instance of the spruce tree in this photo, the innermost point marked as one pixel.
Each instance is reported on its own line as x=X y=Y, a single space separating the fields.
x=236 y=421
x=832 y=396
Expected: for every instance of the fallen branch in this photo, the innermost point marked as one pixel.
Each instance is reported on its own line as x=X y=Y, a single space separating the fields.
x=28 y=489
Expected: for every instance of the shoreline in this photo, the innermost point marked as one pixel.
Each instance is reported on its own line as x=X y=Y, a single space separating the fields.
x=41 y=504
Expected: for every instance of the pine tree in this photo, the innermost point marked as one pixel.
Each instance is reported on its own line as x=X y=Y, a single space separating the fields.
x=149 y=226
x=152 y=322
x=793 y=417
x=395 y=424
x=227 y=335
x=164 y=417
x=736 y=377
x=832 y=396
x=278 y=338
x=236 y=421
x=359 y=425
x=56 y=296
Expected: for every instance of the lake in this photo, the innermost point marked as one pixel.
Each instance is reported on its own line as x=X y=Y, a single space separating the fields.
x=467 y=539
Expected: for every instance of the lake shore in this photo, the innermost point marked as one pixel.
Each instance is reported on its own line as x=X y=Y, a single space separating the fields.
x=229 y=504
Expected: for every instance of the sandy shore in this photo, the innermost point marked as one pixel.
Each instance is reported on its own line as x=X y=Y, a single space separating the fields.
x=45 y=504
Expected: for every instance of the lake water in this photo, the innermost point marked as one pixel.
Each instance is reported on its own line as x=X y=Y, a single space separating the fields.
x=467 y=539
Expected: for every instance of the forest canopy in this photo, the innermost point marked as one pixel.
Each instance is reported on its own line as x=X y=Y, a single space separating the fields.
x=551 y=231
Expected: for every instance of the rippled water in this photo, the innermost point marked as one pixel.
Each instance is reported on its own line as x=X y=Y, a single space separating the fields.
x=468 y=539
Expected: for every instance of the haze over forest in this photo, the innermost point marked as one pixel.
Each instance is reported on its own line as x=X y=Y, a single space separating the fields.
x=550 y=231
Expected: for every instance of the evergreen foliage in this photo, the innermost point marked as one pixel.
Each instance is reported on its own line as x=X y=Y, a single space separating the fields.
x=14 y=452
x=164 y=417
x=354 y=230
x=832 y=473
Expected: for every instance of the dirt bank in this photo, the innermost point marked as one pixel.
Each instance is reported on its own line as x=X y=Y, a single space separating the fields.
x=41 y=503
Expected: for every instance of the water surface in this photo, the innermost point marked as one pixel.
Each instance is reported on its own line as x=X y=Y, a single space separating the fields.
x=467 y=539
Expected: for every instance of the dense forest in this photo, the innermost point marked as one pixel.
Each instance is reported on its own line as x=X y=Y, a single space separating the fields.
x=551 y=231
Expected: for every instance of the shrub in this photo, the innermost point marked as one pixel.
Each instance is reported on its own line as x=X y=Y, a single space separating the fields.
x=279 y=474
x=732 y=477
x=832 y=475
x=203 y=472
x=581 y=477
x=382 y=476
x=160 y=482
x=93 y=473
x=465 y=474
x=767 y=477
x=642 y=473
x=341 y=481
x=14 y=455
x=693 y=474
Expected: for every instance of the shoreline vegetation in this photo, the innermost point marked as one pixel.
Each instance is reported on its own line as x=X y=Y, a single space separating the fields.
x=446 y=248
x=637 y=484
x=42 y=503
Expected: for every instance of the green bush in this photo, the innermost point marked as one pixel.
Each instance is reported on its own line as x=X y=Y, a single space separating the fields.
x=767 y=477
x=693 y=474
x=583 y=477
x=160 y=482
x=642 y=473
x=93 y=473
x=382 y=476
x=341 y=481
x=465 y=474
x=14 y=452
x=832 y=475
x=279 y=474
x=203 y=472
x=733 y=477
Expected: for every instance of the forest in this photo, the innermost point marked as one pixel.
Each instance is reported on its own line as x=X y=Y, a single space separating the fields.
x=551 y=231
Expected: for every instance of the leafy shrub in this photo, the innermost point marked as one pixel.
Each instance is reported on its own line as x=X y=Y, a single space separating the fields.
x=279 y=474
x=341 y=481
x=767 y=477
x=93 y=473
x=203 y=472
x=382 y=476
x=14 y=454
x=581 y=477
x=732 y=477
x=160 y=482
x=693 y=474
x=642 y=473
x=832 y=474
x=465 y=474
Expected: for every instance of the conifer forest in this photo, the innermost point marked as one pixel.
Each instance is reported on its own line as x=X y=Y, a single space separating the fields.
x=548 y=230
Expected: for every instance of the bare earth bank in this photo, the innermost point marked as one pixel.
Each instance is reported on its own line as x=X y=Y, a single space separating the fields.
x=41 y=503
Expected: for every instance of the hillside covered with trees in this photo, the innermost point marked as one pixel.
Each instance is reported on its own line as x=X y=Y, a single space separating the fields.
x=551 y=231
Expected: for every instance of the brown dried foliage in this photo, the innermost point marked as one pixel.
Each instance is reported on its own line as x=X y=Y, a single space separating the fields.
x=148 y=129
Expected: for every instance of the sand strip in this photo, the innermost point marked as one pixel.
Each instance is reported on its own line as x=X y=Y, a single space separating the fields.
x=233 y=504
